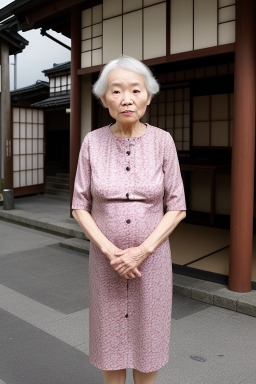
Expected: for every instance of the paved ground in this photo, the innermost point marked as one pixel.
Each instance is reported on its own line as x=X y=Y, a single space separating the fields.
x=44 y=322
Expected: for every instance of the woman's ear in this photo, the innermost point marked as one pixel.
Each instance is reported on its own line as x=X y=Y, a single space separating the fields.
x=103 y=100
x=149 y=99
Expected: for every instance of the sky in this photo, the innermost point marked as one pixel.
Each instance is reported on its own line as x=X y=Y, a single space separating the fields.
x=41 y=53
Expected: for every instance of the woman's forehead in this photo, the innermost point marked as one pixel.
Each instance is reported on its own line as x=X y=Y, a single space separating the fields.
x=122 y=76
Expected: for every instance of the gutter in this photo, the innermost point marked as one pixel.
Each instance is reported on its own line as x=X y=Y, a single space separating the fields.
x=44 y=33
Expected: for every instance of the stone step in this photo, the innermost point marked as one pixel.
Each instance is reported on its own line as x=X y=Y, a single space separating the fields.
x=76 y=244
x=60 y=196
x=56 y=191
x=57 y=179
x=56 y=185
x=63 y=175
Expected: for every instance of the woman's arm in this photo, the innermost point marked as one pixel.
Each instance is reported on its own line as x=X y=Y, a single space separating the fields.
x=163 y=229
x=93 y=232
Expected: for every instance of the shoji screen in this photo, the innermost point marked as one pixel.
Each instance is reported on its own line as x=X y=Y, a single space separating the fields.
x=28 y=148
x=197 y=24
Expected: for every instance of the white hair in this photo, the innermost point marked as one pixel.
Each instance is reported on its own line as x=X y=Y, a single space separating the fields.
x=131 y=64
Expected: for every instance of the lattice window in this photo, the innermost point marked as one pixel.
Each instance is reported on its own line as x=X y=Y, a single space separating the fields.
x=170 y=110
x=91 y=36
x=226 y=21
x=123 y=26
x=60 y=85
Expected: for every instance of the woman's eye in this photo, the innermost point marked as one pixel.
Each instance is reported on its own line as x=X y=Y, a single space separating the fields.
x=115 y=92
x=136 y=90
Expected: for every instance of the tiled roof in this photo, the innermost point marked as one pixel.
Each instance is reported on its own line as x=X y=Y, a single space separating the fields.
x=53 y=101
x=36 y=86
x=9 y=33
x=62 y=67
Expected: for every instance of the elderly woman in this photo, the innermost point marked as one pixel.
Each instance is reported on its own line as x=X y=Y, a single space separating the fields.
x=128 y=198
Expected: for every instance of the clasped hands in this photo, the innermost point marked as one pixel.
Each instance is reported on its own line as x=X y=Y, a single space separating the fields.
x=126 y=261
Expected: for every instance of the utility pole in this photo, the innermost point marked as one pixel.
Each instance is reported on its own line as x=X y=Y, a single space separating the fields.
x=6 y=148
x=15 y=71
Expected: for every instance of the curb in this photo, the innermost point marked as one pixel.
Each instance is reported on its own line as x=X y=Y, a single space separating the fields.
x=67 y=228
x=76 y=244
x=215 y=294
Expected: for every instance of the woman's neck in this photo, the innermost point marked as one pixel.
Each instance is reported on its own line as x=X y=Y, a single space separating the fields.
x=128 y=130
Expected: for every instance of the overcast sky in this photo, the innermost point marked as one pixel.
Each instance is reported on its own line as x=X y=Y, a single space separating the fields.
x=41 y=53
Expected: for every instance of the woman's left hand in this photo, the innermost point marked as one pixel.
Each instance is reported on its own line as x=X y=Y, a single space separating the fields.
x=128 y=259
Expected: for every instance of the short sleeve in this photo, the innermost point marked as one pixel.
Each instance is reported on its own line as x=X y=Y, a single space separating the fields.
x=82 y=186
x=174 y=195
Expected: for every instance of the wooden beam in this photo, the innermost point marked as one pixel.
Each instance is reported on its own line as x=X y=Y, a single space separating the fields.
x=42 y=12
x=75 y=97
x=243 y=149
x=198 y=53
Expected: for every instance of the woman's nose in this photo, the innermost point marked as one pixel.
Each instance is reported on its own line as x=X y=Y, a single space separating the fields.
x=127 y=99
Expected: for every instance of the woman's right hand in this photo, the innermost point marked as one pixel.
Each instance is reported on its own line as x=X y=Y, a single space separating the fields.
x=129 y=275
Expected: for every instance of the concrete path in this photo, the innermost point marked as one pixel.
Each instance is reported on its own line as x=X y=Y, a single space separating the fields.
x=44 y=322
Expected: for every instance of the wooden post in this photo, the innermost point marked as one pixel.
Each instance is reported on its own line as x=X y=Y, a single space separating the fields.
x=75 y=96
x=6 y=157
x=243 y=149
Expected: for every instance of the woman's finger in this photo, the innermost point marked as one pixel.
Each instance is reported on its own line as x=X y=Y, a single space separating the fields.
x=137 y=272
x=116 y=261
x=120 y=268
x=123 y=271
x=126 y=268
x=120 y=252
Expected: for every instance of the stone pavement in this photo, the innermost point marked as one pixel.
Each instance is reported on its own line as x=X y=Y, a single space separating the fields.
x=44 y=322
x=51 y=214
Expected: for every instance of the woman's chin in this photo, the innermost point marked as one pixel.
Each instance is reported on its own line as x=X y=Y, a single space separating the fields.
x=128 y=119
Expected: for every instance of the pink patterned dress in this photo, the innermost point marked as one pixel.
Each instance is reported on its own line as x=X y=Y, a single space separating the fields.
x=127 y=184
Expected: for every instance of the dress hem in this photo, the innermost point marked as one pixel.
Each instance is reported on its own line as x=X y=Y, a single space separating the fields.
x=132 y=366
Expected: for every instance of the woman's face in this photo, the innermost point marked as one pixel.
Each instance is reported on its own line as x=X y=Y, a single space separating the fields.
x=126 y=97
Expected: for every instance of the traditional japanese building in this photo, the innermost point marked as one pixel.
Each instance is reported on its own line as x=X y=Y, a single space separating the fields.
x=204 y=54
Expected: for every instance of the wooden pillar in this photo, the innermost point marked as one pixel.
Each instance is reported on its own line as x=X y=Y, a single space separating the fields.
x=243 y=149
x=75 y=96
x=6 y=150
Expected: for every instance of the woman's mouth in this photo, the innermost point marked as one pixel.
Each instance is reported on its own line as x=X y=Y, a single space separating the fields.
x=127 y=112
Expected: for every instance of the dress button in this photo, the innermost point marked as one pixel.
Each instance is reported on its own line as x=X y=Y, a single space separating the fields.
x=128 y=152
x=127 y=169
x=126 y=315
x=128 y=221
x=127 y=195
